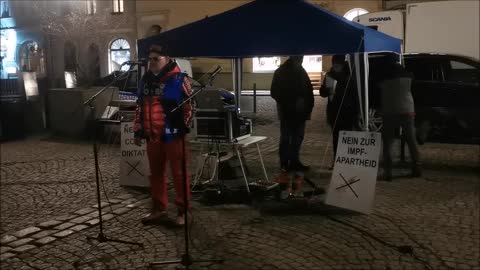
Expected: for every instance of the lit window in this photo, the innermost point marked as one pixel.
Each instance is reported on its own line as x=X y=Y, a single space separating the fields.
x=353 y=13
x=91 y=7
x=11 y=70
x=4 y=10
x=312 y=63
x=117 y=6
x=265 y=64
x=8 y=51
x=119 y=54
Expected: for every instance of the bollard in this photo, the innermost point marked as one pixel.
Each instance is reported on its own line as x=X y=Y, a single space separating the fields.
x=254 y=98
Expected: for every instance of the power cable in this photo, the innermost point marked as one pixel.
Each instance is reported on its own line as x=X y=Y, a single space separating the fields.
x=404 y=249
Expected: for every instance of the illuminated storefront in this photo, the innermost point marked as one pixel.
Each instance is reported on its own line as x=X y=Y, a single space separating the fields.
x=7 y=52
x=8 y=42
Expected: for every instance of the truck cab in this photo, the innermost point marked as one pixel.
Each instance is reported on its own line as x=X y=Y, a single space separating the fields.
x=448 y=27
x=389 y=22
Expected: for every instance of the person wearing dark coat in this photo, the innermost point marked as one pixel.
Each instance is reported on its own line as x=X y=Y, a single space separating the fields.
x=293 y=92
x=342 y=105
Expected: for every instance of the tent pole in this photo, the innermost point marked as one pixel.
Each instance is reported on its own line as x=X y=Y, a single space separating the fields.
x=367 y=75
x=359 y=87
x=234 y=79
x=240 y=81
x=237 y=73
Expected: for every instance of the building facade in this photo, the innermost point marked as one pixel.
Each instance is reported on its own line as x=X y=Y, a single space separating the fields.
x=85 y=38
x=400 y=4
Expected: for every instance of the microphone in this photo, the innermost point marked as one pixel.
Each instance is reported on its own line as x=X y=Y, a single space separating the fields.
x=140 y=61
x=214 y=73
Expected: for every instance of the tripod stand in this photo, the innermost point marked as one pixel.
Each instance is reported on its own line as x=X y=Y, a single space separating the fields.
x=101 y=237
x=186 y=259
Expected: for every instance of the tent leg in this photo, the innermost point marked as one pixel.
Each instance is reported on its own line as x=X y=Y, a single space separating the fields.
x=234 y=80
x=237 y=73
x=366 y=93
x=359 y=88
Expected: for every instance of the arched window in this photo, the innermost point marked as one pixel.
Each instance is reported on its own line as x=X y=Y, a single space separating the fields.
x=353 y=13
x=32 y=58
x=119 y=53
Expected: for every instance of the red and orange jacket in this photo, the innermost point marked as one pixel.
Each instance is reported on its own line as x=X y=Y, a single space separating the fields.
x=158 y=95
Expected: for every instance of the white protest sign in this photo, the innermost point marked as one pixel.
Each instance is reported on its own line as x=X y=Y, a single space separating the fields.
x=134 y=167
x=355 y=173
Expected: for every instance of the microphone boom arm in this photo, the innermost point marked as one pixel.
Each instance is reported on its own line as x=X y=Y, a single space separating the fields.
x=188 y=99
x=215 y=73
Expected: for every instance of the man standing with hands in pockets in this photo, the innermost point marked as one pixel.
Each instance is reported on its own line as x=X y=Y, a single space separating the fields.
x=293 y=92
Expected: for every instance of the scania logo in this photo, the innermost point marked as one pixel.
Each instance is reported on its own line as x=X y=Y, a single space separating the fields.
x=380 y=19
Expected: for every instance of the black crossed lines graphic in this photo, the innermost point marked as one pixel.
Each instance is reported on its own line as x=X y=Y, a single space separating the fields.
x=134 y=168
x=349 y=184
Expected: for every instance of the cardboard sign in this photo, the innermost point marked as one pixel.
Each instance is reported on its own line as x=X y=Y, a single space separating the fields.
x=134 y=167
x=355 y=173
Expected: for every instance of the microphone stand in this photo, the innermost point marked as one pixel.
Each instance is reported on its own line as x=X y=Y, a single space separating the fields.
x=101 y=237
x=186 y=259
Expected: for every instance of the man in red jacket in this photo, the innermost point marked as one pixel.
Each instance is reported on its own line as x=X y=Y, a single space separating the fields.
x=161 y=89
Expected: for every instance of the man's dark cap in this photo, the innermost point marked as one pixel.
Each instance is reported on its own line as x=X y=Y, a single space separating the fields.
x=160 y=49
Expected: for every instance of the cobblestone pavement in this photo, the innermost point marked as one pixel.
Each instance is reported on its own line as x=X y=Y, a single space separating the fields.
x=48 y=207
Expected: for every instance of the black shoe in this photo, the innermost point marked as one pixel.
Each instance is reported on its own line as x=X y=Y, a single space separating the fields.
x=416 y=172
x=387 y=177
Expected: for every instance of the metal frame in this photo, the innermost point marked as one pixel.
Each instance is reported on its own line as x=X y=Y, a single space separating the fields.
x=238 y=146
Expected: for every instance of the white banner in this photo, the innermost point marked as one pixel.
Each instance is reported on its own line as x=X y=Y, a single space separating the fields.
x=355 y=173
x=134 y=167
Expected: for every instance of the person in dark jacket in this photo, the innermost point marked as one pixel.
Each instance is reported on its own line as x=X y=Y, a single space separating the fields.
x=342 y=105
x=160 y=90
x=398 y=110
x=293 y=92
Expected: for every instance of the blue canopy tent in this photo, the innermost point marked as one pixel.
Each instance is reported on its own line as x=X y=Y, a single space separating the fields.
x=272 y=28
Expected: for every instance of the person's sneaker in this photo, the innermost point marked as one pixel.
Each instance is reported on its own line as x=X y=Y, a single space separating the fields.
x=154 y=217
x=386 y=178
x=180 y=220
x=298 y=193
x=297 y=186
x=282 y=178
